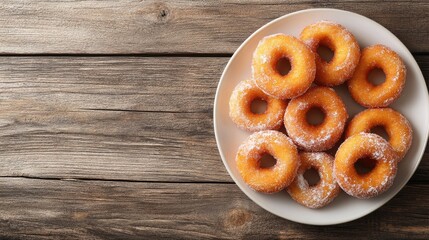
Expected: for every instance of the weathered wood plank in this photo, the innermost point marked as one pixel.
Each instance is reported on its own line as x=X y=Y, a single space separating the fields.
x=158 y=128
x=169 y=26
x=52 y=209
x=110 y=145
x=163 y=84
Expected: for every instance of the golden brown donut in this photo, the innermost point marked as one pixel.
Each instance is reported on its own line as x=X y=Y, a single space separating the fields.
x=275 y=178
x=396 y=125
x=372 y=96
x=324 y=191
x=341 y=42
x=264 y=66
x=373 y=183
x=239 y=108
x=316 y=137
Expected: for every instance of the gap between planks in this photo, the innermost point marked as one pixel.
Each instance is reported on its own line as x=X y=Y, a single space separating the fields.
x=114 y=180
x=155 y=55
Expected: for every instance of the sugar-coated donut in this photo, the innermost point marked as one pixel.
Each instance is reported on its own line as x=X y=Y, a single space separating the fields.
x=324 y=191
x=341 y=42
x=264 y=66
x=239 y=108
x=396 y=125
x=373 y=183
x=369 y=95
x=272 y=179
x=316 y=137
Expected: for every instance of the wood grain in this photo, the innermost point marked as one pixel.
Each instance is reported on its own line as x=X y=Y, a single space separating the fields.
x=146 y=84
x=109 y=118
x=123 y=118
x=153 y=26
x=46 y=209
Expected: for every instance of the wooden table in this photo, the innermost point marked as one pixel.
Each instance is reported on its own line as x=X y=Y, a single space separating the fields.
x=106 y=121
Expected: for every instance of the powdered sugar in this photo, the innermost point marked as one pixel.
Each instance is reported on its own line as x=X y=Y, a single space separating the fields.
x=326 y=189
x=379 y=56
x=374 y=147
x=342 y=43
x=397 y=126
x=274 y=47
x=360 y=191
x=265 y=58
x=323 y=136
x=276 y=177
x=240 y=102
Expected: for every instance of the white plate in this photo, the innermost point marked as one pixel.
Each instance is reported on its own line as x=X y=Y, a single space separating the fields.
x=413 y=103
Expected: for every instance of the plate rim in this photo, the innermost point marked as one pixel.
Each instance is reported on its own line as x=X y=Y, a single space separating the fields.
x=216 y=99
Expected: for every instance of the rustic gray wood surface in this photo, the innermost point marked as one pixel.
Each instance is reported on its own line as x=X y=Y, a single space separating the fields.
x=106 y=121
x=148 y=26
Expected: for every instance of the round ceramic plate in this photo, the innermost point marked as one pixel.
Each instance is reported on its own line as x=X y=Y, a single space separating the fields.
x=413 y=103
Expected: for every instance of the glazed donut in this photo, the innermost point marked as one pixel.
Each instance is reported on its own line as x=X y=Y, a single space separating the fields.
x=361 y=146
x=369 y=95
x=396 y=125
x=272 y=179
x=340 y=41
x=264 y=66
x=324 y=191
x=316 y=137
x=239 y=108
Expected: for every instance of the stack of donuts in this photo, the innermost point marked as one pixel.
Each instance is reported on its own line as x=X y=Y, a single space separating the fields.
x=303 y=145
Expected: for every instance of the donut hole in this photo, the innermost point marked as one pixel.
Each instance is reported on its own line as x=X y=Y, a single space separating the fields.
x=325 y=53
x=312 y=176
x=376 y=76
x=364 y=165
x=315 y=116
x=258 y=106
x=283 y=66
x=380 y=131
x=267 y=161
